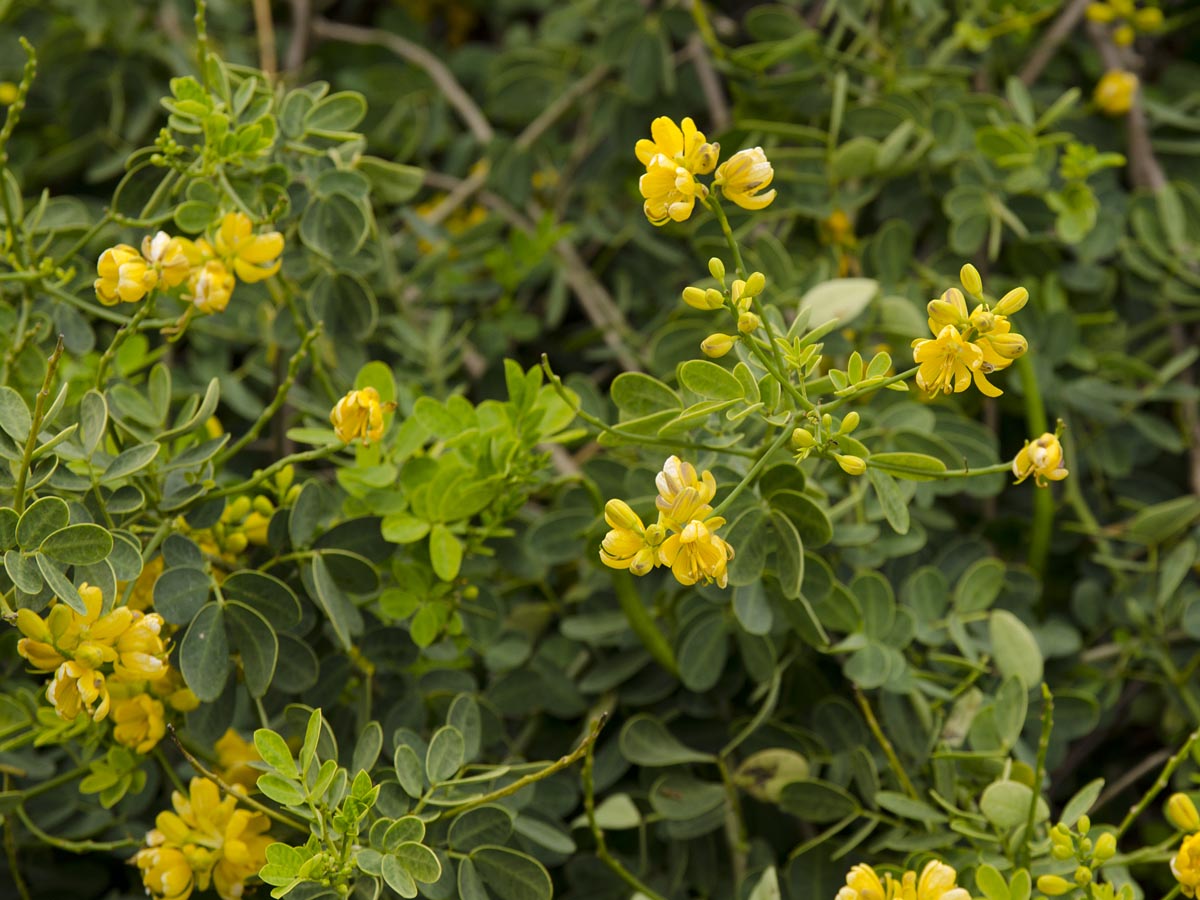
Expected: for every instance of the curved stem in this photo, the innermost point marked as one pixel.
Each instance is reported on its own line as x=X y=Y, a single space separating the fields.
x=779 y=441
x=39 y=411
x=903 y=376
x=641 y=622
x=1043 y=500
x=119 y=338
x=1161 y=782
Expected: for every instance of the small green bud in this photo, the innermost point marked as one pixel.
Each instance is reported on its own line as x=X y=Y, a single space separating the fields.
x=1106 y=847
x=849 y=423
x=1084 y=825
x=1062 y=851
x=1085 y=846
x=802 y=438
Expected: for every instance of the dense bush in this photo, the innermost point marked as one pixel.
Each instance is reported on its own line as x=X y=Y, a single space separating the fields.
x=510 y=450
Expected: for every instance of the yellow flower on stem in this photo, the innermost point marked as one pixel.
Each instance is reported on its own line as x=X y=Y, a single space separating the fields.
x=744 y=175
x=1042 y=458
x=252 y=257
x=220 y=845
x=140 y=723
x=234 y=754
x=210 y=287
x=1185 y=865
x=1115 y=92
x=696 y=553
x=937 y=881
x=168 y=257
x=124 y=276
x=676 y=478
x=950 y=363
x=359 y=415
x=1181 y=812
x=79 y=687
x=630 y=544
x=682 y=144
x=670 y=191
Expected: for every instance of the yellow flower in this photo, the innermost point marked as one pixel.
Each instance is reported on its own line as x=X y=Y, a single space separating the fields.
x=219 y=844
x=77 y=687
x=682 y=146
x=124 y=276
x=743 y=175
x=172 y=689
x=141 y=653
x=683 y=493
x=142 y=596
x=140 y=724
x=1041 y=458
x=252 y=257
x=9 y=93
x=1181 y=812
x=937 y=881
x=717 y=345
x=1100 y=12
x=167 y=256
x=950 y=363
x=670 y=191
x=1185 y=865
x=233 y=756
x=359 y=415
x=210 y=287
x=1148 y=19
x=697 y=554
x=630 y=544
x=1115 y=92
x=851 y=465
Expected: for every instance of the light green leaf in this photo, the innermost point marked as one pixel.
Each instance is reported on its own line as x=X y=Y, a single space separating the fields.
x=511 y=875
x=78 y=545
x=645 y=741
x=446 y=754
x=710 y=381
x=204 y=654
x=1015 y=649
x=445 y=552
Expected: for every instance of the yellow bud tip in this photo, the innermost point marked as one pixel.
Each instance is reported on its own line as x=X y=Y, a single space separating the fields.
x=1012 y=302
x=1083 y=876
x=851 y=465
x=971 y=281
x=755 y=284
x=1054 y=885
x=717 y=345
x=1181 y=812
x=748 y=323
x=849 y=422
x=716 y=268
x=802 y=438
x=1106 y=847
x=1084 y=824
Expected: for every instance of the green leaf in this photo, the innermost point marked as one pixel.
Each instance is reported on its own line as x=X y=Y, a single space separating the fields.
x=490 y=824
x=445 y=552
x=40 y=520
x=645 y=741
x=992 y=883
x=255 y=642
x=637 y=395
x=470 y=883
x=789 y=555
x=397 y=877
x=446 y=754
x=15 y=419
x=710 y=380
x=204 y=654
x=391 y=182
x=1015 y=649
x=813 y=800
x=1084 y=799
x=312 y=736
x=180 y=592
x=767 y=887
x=419 y=861
x=464 y=715
x=334 y=227
x=511 y=875
x=275 y=753
x=63 y=587
x=282 y=790
x=337 y=112
x=335 y=604
x=8 y=527
x=811 y=521
x=409 y=771
x=367 y=750
x=78 y=545
x=129 y=461
x=979 y=586
x=842 y=298
x=616 y=812
x=908 y=808
x=891 y=501
x=703 y=648
x=265 y=594
x=681 y=797
x=1006 y=804
x=909 y=466
x=25 y=574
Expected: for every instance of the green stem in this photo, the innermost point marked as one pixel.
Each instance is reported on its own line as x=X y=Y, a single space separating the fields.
x=270 y=471
x=642 y=624
x=903 y=376
x=1038 y=774
x=169 y=770
x=39 y=411
x=589 y=805
x=893 y=468
x=784 y=436
x=1164 y=777
x=1043 y=500
x=888 y=750
x=713 y=203
x=736 y=833
x=130 y=327
x=74 y=846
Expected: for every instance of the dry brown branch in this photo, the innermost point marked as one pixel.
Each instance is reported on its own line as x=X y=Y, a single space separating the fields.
x=1052 y=37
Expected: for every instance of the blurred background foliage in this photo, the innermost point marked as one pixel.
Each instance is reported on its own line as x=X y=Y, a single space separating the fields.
x=494 y=214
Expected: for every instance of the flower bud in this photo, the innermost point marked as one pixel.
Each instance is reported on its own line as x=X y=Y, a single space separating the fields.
x=1085 y=846
x=969 y=276
x=717 y=345
x=1100 y=12
x=802 y=438
x=748 y=322
x=1123 y=35
x=1181 y=812
x=1054 y=885
x=716 y=268
x=1148 y=19
x=851 y=465
x=1013 y=301
x=618 y=514
x=1083 y=824
x=1062 y=851
x=849 y=422
x=714 y=299
x=262 y=504
x=284 y=478
x=1083 y=876
x=755 y=284
x=1106 y=847
x=1010 y=346
x=32 y=625
x=694 y=297
x=737 y=289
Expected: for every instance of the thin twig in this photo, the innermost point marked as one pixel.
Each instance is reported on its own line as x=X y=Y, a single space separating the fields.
x=1052 y=37
x=888 y=750
x=301 y=24
x=264 y=28
x=437 y=70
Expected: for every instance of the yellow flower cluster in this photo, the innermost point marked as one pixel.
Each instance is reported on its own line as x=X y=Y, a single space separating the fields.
x=210 y=269
x=1115 y=92
x=675 y=154
x=359 y=416
x=115 y=662
x=206 y=841
x=1042 y=458
x=1185 y=864
x=937 y=881
x=685 y=536
x=741 y=296
x=968 y=347
x=1126 y=19
x=234 y=756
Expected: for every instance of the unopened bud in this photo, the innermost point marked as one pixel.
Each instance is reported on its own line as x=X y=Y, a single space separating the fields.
x=33 y=626
x=1085 y=846
x=1106 y=847
x=618 y=514
x=1083 y=876
x=1181 y=812
x=803 y=438
x=969 y=276
x=849 y=422
x=1062 y=851
x=748 y=322
x=851 y=465
x=1013 y=301
x=1010 y=346
x=1084 y=824
x=1054 y=885
x=755 y=284
x=717 y=345
x=737 y=289
x=716 y=268
x=694 y=297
